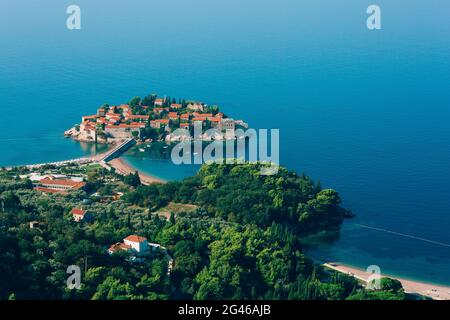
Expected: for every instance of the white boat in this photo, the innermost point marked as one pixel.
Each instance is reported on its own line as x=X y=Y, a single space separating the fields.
x=141 y=150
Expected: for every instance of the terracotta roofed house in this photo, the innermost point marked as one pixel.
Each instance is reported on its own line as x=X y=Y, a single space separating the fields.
x=185 y=117
x=158 y=122
x=118 y=247
x=79 y=214
x=173 y=115
x=159 y=101
x=138 y=117
x=206 y=115
x=87 y=118
x=140 y=244
x=215 y=122
x=159 y=110
x=58 y=185
x=124 y=107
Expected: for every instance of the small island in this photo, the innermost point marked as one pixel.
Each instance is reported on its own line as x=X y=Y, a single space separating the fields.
x=153 y=119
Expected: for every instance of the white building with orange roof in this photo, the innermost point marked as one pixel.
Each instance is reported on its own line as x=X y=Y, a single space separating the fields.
x=185 y=116
x=117 y=247
x=124 y=107
x=137 y=117
x=102 y=120
x=58 y=185
x=160 y=110
x=140 y=244
x=198 y=119
x=173 y=115
x=159 y=101
x=216 y=122
x=158 y=123
x=113 y=116
x=124 y=131
x=89 y=118
x=206 y=115
x=79 y=214
x=132 y=242
x=176 y=105
x=87 y=131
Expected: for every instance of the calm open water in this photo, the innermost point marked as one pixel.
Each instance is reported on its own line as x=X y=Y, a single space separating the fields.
x=365 y=112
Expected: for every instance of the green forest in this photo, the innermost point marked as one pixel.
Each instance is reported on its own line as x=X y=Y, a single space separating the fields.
x=232 y=233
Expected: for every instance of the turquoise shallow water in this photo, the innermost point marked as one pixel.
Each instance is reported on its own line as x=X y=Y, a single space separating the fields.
x=365 y=112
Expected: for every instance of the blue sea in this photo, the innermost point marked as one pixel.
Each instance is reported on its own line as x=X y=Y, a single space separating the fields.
x=365 y=112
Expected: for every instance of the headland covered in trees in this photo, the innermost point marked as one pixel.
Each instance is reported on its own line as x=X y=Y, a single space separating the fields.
x=226 y=233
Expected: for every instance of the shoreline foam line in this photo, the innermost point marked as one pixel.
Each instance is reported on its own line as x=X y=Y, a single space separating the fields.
x=403 y=235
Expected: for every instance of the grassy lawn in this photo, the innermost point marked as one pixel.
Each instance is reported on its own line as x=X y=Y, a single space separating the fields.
x=176 y=208
x=92 y=167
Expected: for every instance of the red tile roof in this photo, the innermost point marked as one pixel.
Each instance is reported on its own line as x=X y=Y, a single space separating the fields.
x=138 y=117
x=125 y=126
x=135 y=238
x=89 y=127
x=47 y=190
x=160 y=109
x=165 y=121
x=119 y=246
x=78 y=212
x=197 y=114
x=113 y=115
x=62 y=182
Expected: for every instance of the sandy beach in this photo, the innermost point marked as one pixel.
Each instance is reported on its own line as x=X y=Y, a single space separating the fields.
x=123 y=168
x=433 y=291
